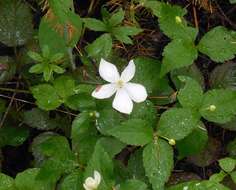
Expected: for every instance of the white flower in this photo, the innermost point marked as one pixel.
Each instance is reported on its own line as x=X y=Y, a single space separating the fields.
x=119 y=84
x=92 y=183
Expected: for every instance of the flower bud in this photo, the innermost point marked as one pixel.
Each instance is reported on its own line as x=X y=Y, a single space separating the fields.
x=178 y=20
x=172 y=142
x=212 y=107
x=92 y=183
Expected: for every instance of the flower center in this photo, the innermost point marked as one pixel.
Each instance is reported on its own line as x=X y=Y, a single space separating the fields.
x=120 y=84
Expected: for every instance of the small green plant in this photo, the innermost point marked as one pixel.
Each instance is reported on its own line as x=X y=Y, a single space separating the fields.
x=106 y=118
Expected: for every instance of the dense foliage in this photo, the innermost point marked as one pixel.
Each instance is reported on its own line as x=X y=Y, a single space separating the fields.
x=58 y=132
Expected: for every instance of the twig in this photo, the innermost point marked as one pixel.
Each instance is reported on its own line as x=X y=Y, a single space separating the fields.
x=31 y=103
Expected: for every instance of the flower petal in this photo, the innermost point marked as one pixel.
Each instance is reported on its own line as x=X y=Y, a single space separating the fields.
x=137 y=92
x=90 y=183
x=97 y=177
x=104 y=91
x=108 y=71
x=122 y=102
x=128 y=72
x=86 y=187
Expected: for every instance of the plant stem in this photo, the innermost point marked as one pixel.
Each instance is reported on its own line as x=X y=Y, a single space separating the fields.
x=15 y=90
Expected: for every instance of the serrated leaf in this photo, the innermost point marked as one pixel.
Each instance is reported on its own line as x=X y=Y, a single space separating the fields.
x=101 y=162
x=94 y=24
x=158 y=163
x=173 y=24
x=231 y=148
x=15 y=23
x=133 y=184
x=146 y=111
x=139 y=129
x=177 y=54
x=26 y=180
x=60 y=8
x=227 y=164
x=191 y=95
x=111 y=145
x=199 y=185
x=108 y=119
x=48 y=36
x=13 y=136
x=177 y=123
x=82 y=130
x=194 y=143
x=46 y=96
x=219 y=50
x=35 y=148
x=39 y=119
x=116 y=18
x=101 y=47
x=147 y=73
x=191 y=71
x=64 y=86
x=123 y=33
x=224 y=76
x=81 y=102
x=219 y=105
x=73 y=181
x=7 y=183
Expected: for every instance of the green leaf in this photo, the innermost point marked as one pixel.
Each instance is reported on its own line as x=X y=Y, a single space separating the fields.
x=101 y=47
x=73 y=181
x=101 y=162
x=7 y=183
x=194 y=143
x=123 y=33
x=233 y=176
x=232 y=1
x=135 y=166
x=158 y=163
x=38 y=68
x=177 y=54
x=60 y=160
x=46 y=96
x=48 y=36
x=219 y=105
x=15 y=22
x=108 y=119
x=82 y=130
x=231 y=148
x=35 y=148
x=191 y=71
x=173 y=24
x=147 y=73
x=57 y=69
x=81 y=102
x=116 y=18
x=94 y=24
x=111 y=145
x=61 y=8
x=218 y=177
x=40 y=119
x=223 y=76
x=133 y=184
x=35 y=56
x=139 y=129
x=146 y=111
x=26 y=180
x=177 y=123
x=199 y=185
x=64 y=86
x=13 y=136
x=227 y=164
x=191 y=95
x=223 y=48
